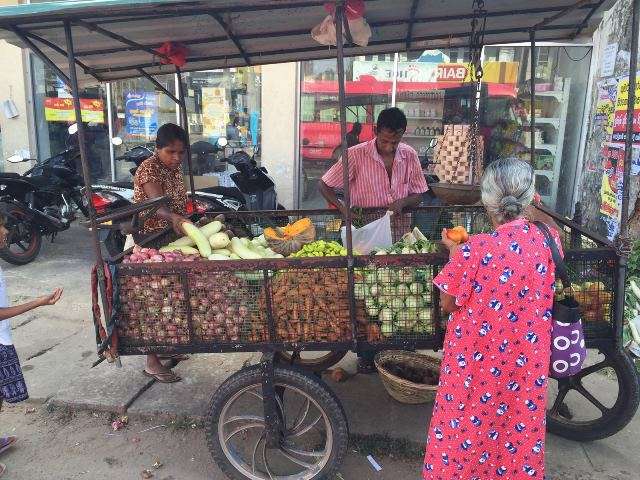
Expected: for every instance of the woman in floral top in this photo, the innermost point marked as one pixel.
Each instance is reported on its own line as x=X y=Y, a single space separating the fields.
x=161 y=175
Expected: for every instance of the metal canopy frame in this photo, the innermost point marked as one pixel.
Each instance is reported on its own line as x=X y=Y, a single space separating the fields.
x=24 y=27
x=561 y=20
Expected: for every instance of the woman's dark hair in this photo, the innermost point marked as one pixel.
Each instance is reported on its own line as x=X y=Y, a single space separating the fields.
x=392 y=119
x=169 y=133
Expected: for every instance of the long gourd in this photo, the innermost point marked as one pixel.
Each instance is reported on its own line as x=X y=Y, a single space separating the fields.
x=206 y=230
x=175 y=248
x=244 y=252
x=197 y=236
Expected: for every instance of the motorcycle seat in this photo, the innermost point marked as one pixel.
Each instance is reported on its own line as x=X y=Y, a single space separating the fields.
x=38 y=181
x=9 y=175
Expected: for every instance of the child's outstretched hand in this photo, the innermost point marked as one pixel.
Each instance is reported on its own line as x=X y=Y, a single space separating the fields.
x=50 y=299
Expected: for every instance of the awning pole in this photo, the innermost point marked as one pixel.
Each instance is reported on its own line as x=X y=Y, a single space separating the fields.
x=628 y=142
x=84 y=157
x=532 y=96
x=623 y=242
x=112 y=154
x=185 y=124
x=339 y=19
x=343 y=123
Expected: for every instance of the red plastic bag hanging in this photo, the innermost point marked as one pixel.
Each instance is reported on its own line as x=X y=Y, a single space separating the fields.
x=173 y=53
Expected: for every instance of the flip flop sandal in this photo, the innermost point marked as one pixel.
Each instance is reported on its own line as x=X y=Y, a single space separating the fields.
x=163 y=377
x=7 y=442
x=3 y=468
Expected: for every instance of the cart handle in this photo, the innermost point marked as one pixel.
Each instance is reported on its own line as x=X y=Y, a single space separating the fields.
x=129 y=219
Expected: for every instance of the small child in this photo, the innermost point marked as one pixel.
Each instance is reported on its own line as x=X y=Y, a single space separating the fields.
x=12 y=386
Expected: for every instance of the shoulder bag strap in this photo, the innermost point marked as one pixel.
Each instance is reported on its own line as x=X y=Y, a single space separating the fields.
x=561 y=267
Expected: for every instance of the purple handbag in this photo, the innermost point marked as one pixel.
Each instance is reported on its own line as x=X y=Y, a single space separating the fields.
x=568 y=351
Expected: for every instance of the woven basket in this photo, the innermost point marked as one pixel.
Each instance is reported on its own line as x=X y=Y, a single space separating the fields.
x=403 y=390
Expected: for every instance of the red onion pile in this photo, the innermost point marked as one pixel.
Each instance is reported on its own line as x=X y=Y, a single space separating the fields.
x=153 y=308
x=152 y=255
x=219 y=307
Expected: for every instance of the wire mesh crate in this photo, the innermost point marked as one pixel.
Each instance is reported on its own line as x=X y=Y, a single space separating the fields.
x=309 y=302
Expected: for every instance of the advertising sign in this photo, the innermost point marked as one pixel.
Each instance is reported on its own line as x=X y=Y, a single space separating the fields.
x=620 y=116
x=215 y=111
x=141 y=113
x=61 y=110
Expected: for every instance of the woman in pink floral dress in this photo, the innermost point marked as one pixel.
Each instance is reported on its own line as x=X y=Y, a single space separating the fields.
x=489 y=416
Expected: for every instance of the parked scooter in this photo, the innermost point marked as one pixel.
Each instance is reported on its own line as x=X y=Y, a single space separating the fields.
x=41 y=202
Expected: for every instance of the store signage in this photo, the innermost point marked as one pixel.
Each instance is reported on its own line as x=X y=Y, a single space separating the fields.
x=452 y=72
x=62 y=110
x=215 y=111
x=141 y=113
x=620 y=117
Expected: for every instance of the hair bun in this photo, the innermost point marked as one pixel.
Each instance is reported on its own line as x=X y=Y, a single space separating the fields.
x=510 y=206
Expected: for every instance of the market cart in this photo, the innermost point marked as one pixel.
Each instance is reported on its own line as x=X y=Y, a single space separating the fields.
x=275 y=419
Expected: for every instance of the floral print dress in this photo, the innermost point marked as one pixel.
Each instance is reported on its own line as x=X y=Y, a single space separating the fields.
x=489 y=416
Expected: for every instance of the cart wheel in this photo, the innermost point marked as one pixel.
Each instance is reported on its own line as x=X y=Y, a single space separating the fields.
x=596 y=403
x=315 y=427
x=313 y=361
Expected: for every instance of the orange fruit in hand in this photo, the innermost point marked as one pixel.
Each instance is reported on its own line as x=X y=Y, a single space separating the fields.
x=457 y=234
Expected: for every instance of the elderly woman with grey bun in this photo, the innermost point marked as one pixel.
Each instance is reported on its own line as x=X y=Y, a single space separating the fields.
x=489 y=415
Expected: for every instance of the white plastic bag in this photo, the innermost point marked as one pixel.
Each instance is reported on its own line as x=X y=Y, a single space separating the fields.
x=325 y=32
x=376 y=234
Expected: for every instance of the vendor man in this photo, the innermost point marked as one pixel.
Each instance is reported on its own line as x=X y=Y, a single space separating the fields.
x=382 y=172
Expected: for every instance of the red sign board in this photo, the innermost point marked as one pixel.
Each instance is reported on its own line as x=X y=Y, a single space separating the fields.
x=452 y=72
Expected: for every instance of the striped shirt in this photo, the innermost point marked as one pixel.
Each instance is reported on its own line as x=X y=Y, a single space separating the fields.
x=369 y=184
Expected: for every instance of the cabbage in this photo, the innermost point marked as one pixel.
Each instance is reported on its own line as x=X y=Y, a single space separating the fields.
x=406 y=275
x=387 y=328
x=402 y=290
x=407 y=251
x=381 y=252
x=406 y=319
x=370 y=278
x=425 y=315
x=370 y=302
x=413 y=302
x=359 y=291
x=397 y=304
x=385 y=316
x=375 y=290
x=387 y=276
x=389 y=291
x=373 y=311
x=416 y=288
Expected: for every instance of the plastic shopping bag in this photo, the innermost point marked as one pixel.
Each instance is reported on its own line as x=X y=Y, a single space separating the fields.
x=376 y=234
x=325 y=32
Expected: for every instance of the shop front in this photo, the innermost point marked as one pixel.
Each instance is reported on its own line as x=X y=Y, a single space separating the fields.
x=434 y=90
x=221 y=103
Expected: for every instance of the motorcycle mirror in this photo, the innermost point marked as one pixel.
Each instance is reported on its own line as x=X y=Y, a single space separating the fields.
x=222 y=142
x=73 y=129
x=117 y=141
x=433 y=143
x=15 y=158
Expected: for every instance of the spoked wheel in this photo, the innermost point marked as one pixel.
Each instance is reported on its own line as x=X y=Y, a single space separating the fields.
x=24 y=239
x=313 y=361
x=315 y=432
x=596 y=403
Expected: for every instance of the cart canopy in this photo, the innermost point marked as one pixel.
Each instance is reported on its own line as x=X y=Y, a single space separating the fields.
x=115 y=38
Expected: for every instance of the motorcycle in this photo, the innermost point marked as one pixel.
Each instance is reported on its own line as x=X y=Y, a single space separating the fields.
x=41 y=202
